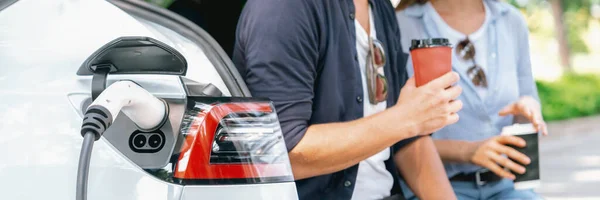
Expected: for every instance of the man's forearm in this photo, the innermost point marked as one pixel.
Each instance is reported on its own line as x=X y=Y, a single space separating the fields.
x=453 y=150
x=328 y=148
x=423 y=171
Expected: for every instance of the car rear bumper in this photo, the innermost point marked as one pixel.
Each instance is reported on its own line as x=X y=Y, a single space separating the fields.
x=273 y=191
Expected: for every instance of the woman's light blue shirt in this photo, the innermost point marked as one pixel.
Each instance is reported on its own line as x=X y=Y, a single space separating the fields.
x=509 y=73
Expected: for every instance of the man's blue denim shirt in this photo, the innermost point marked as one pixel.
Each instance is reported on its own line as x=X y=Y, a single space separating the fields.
x=302 y=55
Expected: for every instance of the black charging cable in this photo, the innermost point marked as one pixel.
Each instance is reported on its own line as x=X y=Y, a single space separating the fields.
x=95 y=121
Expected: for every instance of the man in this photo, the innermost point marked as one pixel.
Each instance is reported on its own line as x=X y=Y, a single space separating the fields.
x=325 y=65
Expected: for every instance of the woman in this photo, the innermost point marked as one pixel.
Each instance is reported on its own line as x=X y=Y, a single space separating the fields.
x=491 y=54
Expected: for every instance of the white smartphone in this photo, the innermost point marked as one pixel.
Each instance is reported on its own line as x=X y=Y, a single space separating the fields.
x=531 y=179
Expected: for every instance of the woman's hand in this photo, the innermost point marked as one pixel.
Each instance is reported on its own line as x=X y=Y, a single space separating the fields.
x=529 y=108
x=488 y=154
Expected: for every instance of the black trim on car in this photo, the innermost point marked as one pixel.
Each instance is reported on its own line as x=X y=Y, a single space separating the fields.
x=6 y=3
x=224 y=66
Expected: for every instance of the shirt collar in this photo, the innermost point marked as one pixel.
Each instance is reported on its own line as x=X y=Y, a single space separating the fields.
x=497 y=9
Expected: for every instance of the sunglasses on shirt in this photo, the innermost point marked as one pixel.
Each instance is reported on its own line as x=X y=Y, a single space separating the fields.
x=376 y=80
x=466 y=50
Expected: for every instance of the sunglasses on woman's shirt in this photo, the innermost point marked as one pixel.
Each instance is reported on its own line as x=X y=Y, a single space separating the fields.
x=466 y=50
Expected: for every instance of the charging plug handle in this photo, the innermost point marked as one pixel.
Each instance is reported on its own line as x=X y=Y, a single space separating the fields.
x=146 y=111
x=96 y=120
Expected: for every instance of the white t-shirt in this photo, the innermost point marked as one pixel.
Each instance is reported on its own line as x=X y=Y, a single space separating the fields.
x=373 y=180
x=479 y=39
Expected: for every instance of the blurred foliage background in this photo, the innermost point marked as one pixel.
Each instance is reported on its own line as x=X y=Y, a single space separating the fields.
x=571 y=96
x=575 y=16
x=565 y=48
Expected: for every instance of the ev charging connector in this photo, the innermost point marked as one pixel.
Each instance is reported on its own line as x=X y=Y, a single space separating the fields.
x=144 y=109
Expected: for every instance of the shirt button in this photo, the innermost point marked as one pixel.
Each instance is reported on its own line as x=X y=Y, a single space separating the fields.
x=352 y=16
x=493 y=55
x=347 y=183
x=359 y=99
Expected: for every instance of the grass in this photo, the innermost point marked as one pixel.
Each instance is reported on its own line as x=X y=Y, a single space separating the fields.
x=571 y=96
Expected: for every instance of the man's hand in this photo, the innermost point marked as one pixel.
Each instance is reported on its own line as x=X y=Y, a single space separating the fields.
x=431 y=106
x=489 y=153
x=529 y=108
x=331 y=147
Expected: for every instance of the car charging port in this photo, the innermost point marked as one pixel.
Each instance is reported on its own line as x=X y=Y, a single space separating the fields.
x=148 y=112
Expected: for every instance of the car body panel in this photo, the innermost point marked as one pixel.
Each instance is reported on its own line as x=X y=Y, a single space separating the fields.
x=275 y=191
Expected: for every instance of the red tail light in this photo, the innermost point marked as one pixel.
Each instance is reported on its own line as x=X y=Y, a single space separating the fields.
x=231 y=140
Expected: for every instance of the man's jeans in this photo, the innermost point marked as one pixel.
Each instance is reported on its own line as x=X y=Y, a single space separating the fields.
x=501 y=190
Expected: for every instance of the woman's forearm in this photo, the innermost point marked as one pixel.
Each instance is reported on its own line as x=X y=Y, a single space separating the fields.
x=422 y=170
x=454 y=150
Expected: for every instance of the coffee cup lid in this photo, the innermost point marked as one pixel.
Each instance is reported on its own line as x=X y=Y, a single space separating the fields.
x=430 y=42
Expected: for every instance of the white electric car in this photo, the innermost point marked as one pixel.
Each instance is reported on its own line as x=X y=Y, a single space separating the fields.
x=58 y=57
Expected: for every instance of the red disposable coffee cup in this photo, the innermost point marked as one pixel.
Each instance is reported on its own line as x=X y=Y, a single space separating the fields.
x=431 y=59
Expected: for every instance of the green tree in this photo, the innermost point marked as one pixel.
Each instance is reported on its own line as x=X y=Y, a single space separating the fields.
x=576 y=16
x=571 y=19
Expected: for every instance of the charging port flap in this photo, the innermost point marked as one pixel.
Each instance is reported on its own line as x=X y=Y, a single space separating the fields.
x=136 y=55
x=131 y=55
